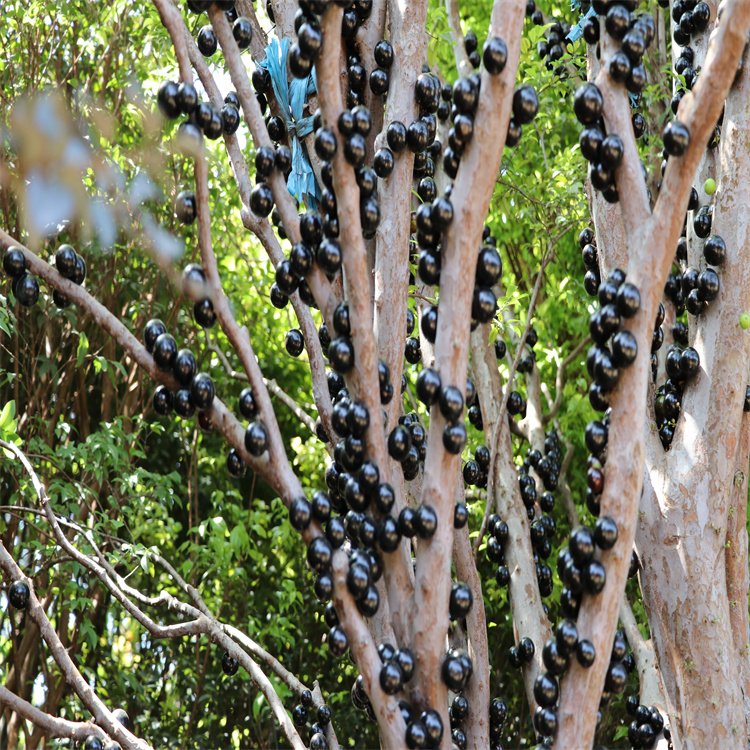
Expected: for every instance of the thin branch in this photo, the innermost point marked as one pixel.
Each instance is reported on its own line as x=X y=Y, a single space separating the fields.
x=561 y=378
x=651 y=691
x=273 y=387
x=51 y=726
x=73 y=677
x=477 y=692
x=407 y=21
x=224 y=420
x=459 y=48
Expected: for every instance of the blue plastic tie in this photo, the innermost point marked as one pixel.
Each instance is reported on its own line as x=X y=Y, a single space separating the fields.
x=577 y=31
x=291 y=98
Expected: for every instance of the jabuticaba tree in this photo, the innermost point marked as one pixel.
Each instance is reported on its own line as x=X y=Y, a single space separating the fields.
x=518 y=482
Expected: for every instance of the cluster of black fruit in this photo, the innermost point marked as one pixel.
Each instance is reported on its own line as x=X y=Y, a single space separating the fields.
x=635 y=34
x=682 y=365
x=196 y=389
x=552 y=47
x=69 y=264
x=242 y=30
x=646 y=726
x=422 y=730
x=475 y=470
x=302 y=717
x=175 y=99
x=592 y=278
x=619 y=300
x=580 y=571
x=450 y=400
x=25 y=285
x=498 y=536
x=532 y=12
x=556 y=655
x=604 y=153
x=687 y=287
x=690 y=16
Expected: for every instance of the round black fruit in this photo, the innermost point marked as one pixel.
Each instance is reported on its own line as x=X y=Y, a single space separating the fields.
x=19 y=594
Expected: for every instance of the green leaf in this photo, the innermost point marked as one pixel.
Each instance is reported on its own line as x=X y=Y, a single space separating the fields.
x=83 y=348
x=239 y=539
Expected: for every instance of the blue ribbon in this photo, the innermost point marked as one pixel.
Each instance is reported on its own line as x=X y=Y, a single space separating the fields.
x=577 y=31
x=291 y=98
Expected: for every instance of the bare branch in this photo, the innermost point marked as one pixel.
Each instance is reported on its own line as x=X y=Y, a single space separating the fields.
x=459 y=48
x=52 y=726
x=651 y=691
x=478 y=689
x=73 y=677
x=221 y=417
x=561 y=378
x=273 y=387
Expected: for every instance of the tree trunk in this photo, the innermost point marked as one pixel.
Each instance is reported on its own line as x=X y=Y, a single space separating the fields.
x=688 y=538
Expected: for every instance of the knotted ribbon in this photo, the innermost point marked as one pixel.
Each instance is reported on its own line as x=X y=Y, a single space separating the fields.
x=576 y=31
x=291 y=98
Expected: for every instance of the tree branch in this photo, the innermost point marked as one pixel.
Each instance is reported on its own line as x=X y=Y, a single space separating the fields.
x=471 y=196
x=648 y=268
x=408 y=21
x=73 y=677
x=52 y=726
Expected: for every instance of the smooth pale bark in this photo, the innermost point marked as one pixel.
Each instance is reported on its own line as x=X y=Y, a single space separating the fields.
x=694 y=491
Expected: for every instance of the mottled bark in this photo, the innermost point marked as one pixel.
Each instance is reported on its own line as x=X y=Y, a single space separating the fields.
x=690 y=541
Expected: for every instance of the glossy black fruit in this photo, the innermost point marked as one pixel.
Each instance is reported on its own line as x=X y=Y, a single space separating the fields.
x=256 y=439
x=495 y=55
x=207 y=42
x=676 y=138
x=65 y=260
x=202 y=391
x=164 y=349
x=19 y=594
x=588 y=103
x=26 y=289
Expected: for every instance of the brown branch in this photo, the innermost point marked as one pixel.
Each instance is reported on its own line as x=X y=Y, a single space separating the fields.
x=648 y=268
x=505 y=497
x=85 y=692
x=240 y=340
x=471 y=197
x=631 y=185
x=366 y=387
x=409 y=39
x=477 y=691
x=262 y=229
x=51 y=726
x=223 y=419
x=459 y=48
x=171 y=18
x=390 y=722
